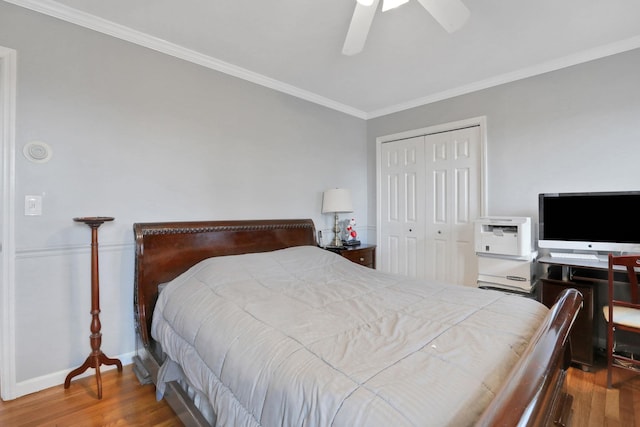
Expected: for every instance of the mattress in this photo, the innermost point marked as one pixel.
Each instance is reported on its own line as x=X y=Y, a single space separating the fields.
x=302 y=336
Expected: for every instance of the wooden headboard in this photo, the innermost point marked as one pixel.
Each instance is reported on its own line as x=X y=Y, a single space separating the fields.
x=164 y=250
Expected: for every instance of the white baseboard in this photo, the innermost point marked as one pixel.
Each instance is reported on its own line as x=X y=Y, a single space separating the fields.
x=54 y=379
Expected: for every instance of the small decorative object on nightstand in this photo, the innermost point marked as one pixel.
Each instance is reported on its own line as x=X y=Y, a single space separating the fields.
x=361 y=254
x=97 y=357
x=351 y=233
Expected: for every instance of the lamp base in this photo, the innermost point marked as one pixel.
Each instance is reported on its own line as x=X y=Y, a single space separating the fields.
x=336 y=242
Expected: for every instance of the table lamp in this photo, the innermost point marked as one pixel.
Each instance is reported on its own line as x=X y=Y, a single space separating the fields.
x=336 y=200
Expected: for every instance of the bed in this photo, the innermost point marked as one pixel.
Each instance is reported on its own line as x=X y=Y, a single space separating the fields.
x=250 y=323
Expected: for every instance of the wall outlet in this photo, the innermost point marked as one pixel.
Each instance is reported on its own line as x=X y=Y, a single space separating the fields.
x=33 y=205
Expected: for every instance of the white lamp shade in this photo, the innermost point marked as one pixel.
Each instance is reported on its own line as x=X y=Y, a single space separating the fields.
x=337 y=200
x=365 y=2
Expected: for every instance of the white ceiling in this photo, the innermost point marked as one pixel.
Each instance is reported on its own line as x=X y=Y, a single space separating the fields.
x=295 y=45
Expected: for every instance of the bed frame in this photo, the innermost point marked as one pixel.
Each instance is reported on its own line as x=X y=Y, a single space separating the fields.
x=534 y=394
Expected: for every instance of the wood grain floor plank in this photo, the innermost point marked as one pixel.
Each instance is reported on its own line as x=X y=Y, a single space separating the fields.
x=612 y=404
x=581 y=390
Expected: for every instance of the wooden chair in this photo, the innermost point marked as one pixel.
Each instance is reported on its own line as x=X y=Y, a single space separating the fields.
x=622 y=315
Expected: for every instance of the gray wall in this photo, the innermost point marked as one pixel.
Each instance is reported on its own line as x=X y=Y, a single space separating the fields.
x=143 y=136
x=576 y=129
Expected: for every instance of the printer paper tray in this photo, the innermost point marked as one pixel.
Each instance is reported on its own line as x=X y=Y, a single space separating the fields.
x=504 y=282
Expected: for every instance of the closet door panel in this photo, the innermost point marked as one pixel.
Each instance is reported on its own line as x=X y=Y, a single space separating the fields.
x=454 y=168
x=402 y=235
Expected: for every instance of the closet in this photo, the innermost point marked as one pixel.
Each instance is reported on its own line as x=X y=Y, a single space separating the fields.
x=430 y=190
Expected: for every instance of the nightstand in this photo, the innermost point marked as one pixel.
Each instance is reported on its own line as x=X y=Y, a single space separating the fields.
x=361 y=254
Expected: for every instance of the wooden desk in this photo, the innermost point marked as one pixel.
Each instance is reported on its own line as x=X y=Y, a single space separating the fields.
x=582 y=351
x=589 y=277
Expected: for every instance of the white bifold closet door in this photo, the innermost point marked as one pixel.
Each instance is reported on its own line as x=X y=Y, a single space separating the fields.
x=430 y=195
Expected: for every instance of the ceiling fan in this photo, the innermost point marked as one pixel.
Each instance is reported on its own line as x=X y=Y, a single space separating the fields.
x=451 y=14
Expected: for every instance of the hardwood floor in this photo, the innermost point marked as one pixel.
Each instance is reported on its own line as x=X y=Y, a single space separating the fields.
x=124 y=403
x=127 y=403
x=596 y=406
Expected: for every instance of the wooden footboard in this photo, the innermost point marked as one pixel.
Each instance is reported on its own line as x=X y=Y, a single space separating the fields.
x=534 y=394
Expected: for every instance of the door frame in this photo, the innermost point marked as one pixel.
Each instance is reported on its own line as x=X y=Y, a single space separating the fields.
x=8 y=84
x=480 y=121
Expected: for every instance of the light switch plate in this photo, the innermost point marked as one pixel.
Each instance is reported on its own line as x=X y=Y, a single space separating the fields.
x=32 y=205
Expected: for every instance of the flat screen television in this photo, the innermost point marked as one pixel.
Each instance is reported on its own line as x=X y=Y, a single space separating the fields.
x=598 y=221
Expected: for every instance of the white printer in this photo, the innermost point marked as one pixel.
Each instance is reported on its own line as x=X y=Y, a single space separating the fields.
x=503 y=235
x=506 y=259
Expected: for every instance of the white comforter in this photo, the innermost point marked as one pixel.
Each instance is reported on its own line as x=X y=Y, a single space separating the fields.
x=304 y=337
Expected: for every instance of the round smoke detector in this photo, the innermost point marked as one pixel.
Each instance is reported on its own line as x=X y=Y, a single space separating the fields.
x=38 y=152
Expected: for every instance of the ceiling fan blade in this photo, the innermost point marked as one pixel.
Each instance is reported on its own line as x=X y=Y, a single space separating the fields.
x=451 y=14
x=359 y=28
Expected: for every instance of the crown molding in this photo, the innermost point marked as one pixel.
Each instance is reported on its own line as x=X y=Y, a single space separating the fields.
x=74 y=16
x=545 y=67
